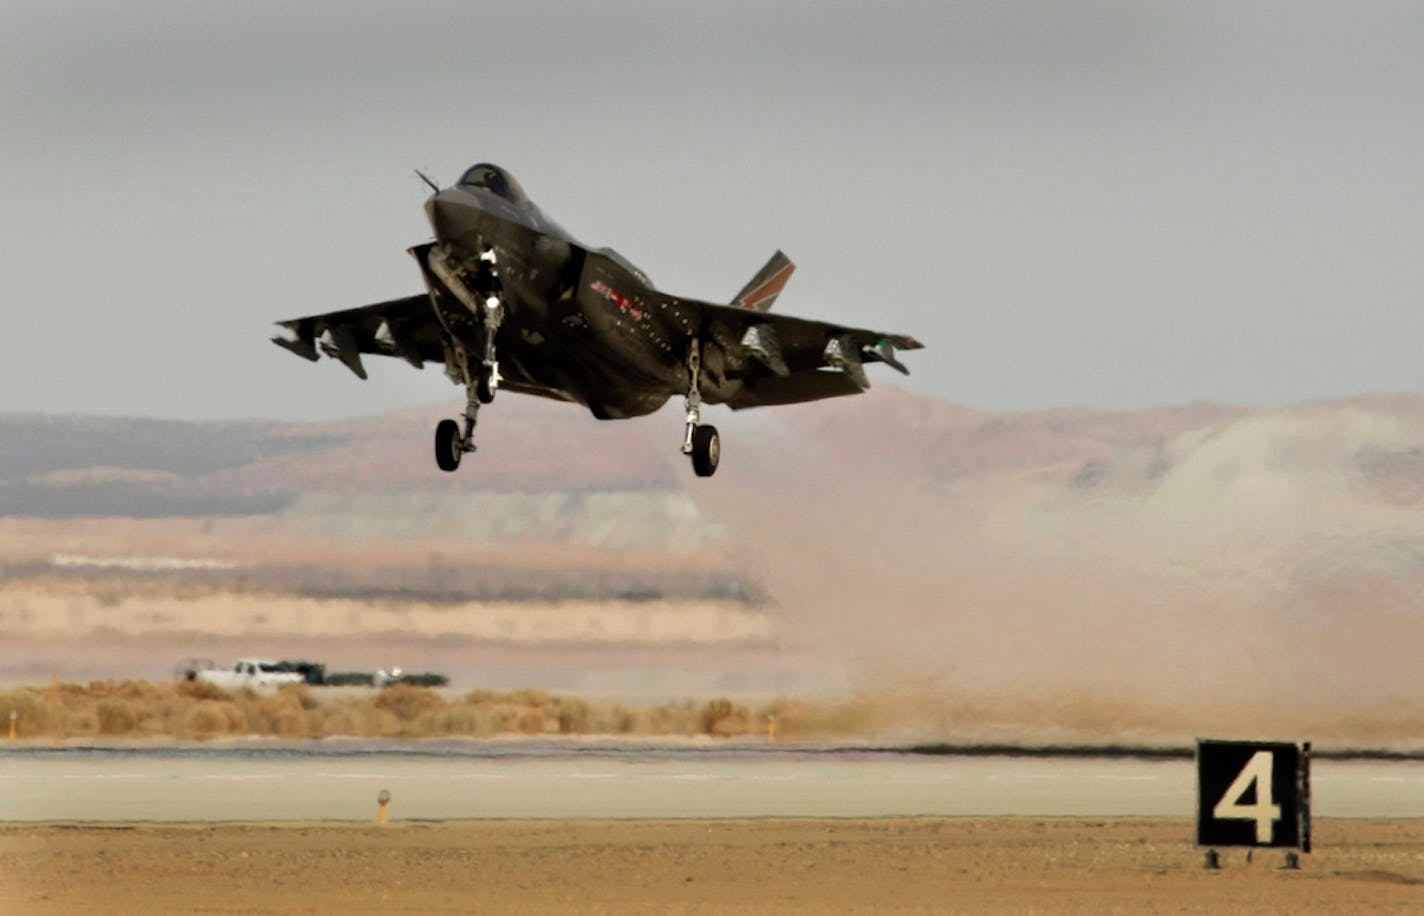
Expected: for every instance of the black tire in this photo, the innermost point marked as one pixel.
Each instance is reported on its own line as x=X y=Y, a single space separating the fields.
x=484 y=390
x=706 y=450
x=448 y=447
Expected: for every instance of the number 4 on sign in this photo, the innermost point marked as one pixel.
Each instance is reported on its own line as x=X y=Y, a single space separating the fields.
x=1263 y=811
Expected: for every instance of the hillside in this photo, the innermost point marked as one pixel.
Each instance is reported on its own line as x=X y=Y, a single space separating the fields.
x=1067 y=568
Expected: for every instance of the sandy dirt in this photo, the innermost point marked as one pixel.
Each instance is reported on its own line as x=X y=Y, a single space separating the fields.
x=1015 y=865
x=50 y=609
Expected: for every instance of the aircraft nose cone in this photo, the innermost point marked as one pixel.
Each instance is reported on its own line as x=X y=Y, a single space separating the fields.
x=434 y=208
x=451 y=214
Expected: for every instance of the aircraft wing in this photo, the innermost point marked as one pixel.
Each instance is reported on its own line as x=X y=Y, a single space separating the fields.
x=405 y=327
x=781 y=359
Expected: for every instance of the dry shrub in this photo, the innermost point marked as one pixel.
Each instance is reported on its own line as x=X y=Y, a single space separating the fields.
x=280 y=714
x=460 y=719
x=115 y=716
x=572 y=716
x=142 y=691
x=128 y=690
x=669 y=720
x=612 y=720
x=201 y=690
x=358 y=718
x=407 y=702
x=291 y=724
x=723 y=719
x=238 y=721
x=69 y=690
x=205 y=721
x=199 y=710
x=301 y=693
x=81 y=722
x=628 y=721
x=354 y=718
x=384 y=724
x=337 y=721
x=532 y=722
x=37 y=715
x=531 y=697
x=502 y=718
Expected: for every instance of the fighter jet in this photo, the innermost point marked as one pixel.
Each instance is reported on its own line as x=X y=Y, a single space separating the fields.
x=513 y=302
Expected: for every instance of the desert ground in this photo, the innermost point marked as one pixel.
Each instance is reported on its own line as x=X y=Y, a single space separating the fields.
x=1067 y=577
x=1018 y=865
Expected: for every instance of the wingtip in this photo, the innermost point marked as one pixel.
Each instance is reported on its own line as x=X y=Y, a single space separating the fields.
x=305 y=349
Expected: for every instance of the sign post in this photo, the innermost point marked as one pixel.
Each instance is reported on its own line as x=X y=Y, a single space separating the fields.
x=383 y=799
x=1254 y=794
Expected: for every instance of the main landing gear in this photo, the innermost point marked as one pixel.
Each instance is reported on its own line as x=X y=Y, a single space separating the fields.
x=701 y=442
x=448 y=445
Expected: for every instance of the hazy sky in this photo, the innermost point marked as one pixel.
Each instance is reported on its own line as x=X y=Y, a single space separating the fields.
x=1098 y=203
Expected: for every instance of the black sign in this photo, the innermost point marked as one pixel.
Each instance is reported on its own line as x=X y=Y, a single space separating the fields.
x=1253 y=793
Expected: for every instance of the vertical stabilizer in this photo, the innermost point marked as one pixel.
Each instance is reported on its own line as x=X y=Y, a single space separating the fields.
x=761 y=292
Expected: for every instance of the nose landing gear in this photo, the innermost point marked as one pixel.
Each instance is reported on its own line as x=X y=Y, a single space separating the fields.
x=450 y=443
x=485 y=303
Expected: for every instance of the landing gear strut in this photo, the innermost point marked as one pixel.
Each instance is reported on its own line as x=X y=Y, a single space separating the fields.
x=700 y=442
x=482 y=379
x=488 y=280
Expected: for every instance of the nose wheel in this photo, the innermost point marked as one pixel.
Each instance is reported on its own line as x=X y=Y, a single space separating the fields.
x=451 y=443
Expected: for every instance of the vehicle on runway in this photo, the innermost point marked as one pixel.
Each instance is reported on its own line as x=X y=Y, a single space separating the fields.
x=259 y=672
x=513 y=301
x=247 y=672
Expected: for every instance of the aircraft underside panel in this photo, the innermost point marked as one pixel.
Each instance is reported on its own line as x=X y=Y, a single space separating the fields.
x=769 y=391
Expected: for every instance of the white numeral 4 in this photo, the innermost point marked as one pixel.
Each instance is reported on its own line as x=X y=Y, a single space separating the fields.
x=1263 y=811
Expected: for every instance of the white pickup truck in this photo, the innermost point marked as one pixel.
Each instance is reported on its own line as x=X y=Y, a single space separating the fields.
x=250 y=672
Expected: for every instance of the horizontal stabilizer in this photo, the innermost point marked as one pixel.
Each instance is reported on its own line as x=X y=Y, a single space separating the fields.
x=884 y=351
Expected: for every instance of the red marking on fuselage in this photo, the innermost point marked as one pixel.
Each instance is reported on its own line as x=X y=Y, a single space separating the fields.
x=625 y=305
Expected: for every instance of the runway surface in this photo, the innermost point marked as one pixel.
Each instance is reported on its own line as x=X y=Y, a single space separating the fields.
x=338 y=781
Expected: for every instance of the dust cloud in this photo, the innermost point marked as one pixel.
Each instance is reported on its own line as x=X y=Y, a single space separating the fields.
x=1256 y=577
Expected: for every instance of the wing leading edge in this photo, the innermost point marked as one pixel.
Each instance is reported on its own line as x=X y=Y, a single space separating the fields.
x=406 y=328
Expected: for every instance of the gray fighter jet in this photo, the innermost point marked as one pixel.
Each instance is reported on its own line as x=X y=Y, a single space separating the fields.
x=514 y=302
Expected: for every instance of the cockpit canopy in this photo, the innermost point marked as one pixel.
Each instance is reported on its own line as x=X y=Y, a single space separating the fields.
x=496 y=180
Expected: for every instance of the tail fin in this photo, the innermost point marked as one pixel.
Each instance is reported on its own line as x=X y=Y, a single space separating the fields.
x=763 y=289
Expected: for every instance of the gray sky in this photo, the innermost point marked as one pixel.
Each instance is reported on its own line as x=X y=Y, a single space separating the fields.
x=1098 y=203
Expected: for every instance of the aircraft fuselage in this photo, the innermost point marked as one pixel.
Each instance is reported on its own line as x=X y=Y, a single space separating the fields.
x=582 y=329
